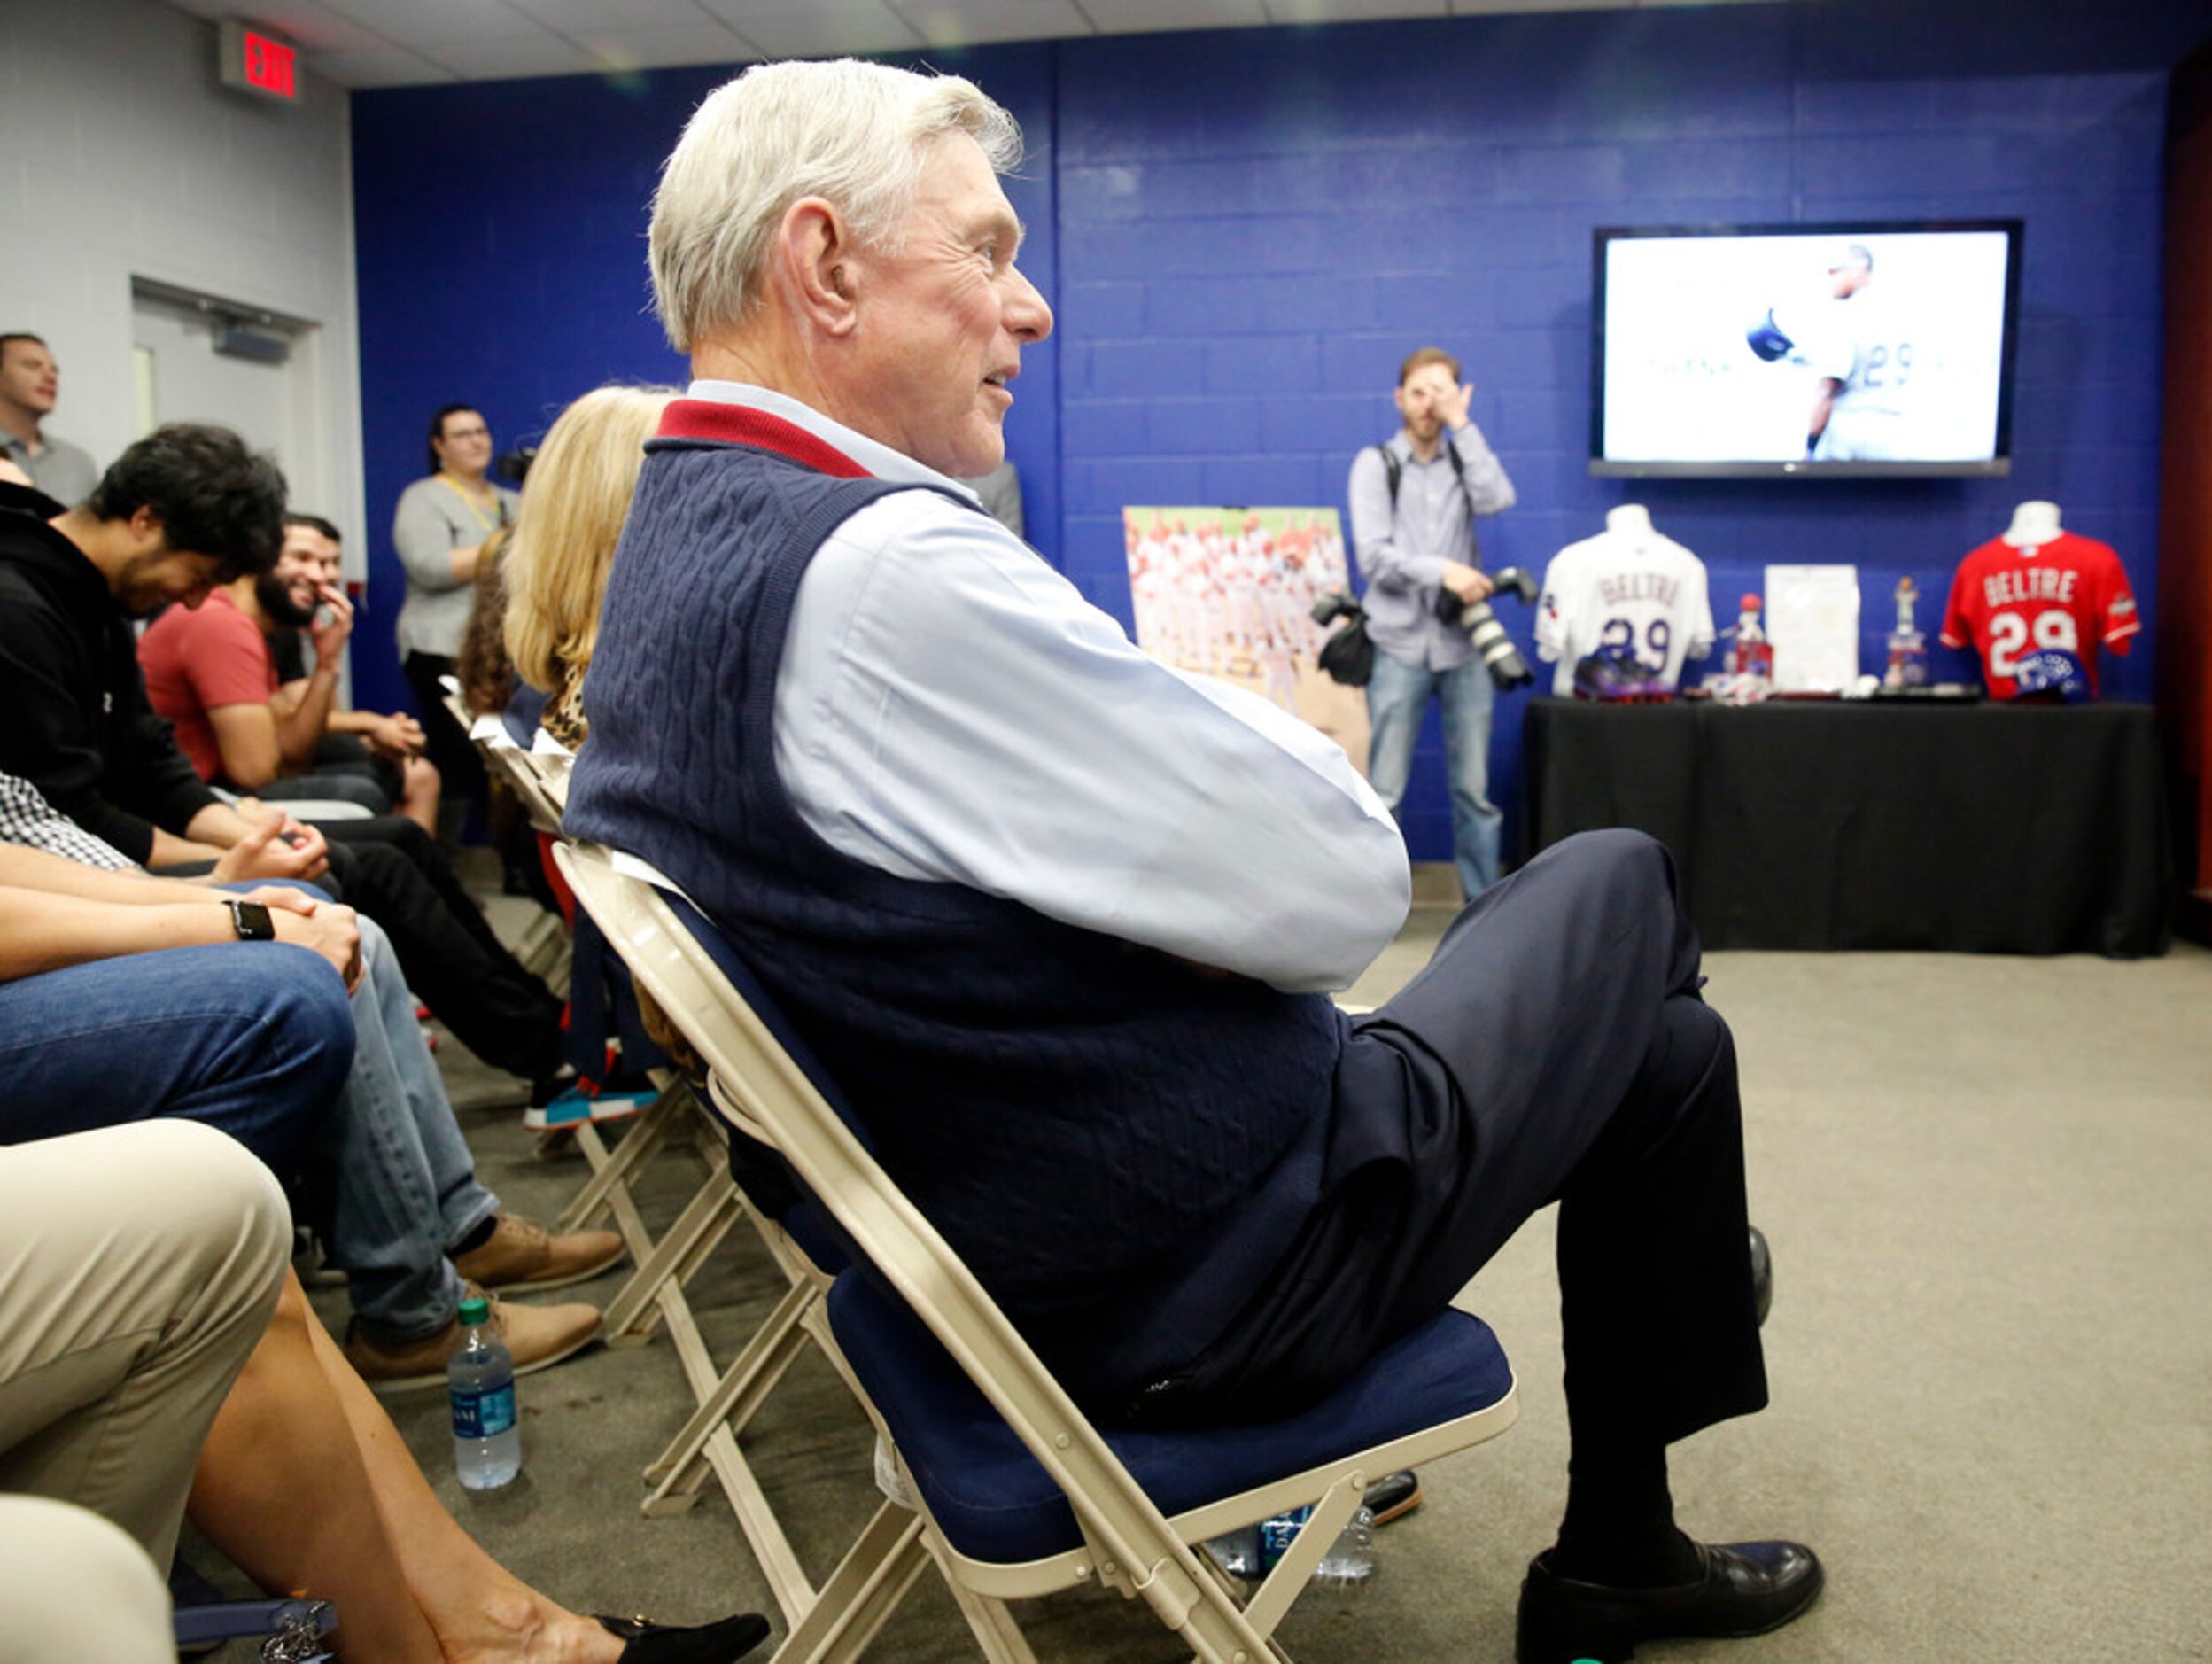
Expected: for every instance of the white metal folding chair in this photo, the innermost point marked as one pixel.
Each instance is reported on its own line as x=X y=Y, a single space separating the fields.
x=543 y=945
x=960 y=1395
x=654 y=1292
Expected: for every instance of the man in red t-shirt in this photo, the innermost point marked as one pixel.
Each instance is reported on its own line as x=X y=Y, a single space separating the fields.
x=210 y=672
x=388 y=748
x=2066 y=594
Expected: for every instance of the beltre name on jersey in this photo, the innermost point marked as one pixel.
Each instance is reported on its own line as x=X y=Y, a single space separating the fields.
x=1620 y=588
x=2029 y=583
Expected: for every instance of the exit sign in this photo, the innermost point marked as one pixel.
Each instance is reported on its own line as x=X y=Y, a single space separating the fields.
x=256 y=62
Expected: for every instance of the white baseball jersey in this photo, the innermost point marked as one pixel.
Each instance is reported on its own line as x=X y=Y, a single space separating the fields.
x=1867 y=345
x=1645 y=592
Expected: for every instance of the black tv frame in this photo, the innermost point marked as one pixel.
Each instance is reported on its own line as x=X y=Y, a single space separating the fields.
x=1996 y=468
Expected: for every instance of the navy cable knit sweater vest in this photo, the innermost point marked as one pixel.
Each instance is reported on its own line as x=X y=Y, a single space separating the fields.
x=1074 y=1113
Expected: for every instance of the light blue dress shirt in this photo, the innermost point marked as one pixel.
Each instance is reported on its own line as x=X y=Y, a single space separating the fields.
x=951 y=709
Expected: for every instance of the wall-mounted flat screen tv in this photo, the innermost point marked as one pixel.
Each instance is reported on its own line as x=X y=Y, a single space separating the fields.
x=1804 y=350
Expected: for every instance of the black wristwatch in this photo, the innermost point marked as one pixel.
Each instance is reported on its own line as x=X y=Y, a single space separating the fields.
x=252 y=921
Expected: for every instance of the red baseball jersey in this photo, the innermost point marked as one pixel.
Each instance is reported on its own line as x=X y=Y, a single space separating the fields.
x=2070 y=595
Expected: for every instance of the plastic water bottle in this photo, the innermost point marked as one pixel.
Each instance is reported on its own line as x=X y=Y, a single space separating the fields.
x=480 y=1380
x=1238 y=1552
x=1747 y=666
x=1755 y=651
x=1350 y=1560
x=1252 y=1553
x=1278 y=1532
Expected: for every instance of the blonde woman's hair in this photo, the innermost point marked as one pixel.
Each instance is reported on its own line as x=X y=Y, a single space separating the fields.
x=573 y=505
x=848 y=132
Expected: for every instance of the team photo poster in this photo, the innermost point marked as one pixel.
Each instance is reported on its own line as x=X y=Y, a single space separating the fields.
x=1229 y=592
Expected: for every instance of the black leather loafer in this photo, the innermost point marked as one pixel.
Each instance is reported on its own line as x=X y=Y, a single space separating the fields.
x=1743 y=1589
x=645 y=1642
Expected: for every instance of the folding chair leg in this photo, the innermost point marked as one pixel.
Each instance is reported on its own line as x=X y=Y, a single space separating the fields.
x=1287 y=1582
x=633 y=1314
x=748 y=1380
x=613 y=1172
x=765 y=1534
x=862 y=1593
x=996 y=1632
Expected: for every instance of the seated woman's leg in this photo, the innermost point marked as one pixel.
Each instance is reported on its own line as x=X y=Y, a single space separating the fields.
x=305 y=1484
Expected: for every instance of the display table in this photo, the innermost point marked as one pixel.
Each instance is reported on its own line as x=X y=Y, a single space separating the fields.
x=1981 y=828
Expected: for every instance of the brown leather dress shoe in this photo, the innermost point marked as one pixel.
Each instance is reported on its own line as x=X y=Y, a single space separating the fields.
x=536 y=1337
x=1740 y=1589
x=521 y=1256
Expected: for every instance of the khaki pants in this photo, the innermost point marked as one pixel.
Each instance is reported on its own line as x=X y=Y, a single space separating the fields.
x=139 y=1268
x=72 y=1586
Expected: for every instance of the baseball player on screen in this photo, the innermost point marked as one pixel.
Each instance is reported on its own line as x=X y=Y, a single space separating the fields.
x=1862 y=356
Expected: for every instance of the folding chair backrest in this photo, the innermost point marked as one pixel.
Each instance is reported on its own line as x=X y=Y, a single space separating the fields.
x=456 y=707
x=1123 y=1526
x=523 y=773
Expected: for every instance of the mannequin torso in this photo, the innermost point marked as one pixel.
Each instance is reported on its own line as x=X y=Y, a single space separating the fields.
x=1631 y=522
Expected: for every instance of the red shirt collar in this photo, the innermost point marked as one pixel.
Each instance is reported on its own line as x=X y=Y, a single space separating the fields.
x=740 y=425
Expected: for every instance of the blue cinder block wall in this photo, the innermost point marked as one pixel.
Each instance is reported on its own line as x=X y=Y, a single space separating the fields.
x=1244 y=231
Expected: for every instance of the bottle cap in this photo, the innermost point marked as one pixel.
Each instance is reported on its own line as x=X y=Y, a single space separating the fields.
x=476 y=1309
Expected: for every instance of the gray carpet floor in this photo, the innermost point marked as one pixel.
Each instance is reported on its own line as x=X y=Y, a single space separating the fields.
x=1984 y=1180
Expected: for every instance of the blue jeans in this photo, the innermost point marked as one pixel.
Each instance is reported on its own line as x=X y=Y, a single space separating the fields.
x=391 y=1185
x=254 y=1040
x=259 y=1042
x=1397 y=698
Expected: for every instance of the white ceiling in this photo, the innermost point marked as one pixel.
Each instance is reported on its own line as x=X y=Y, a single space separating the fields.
x=402 y=42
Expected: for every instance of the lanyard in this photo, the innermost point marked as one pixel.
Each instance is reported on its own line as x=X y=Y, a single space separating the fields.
x=490 y=523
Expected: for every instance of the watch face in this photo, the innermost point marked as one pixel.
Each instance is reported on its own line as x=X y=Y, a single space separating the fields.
x=252 y=921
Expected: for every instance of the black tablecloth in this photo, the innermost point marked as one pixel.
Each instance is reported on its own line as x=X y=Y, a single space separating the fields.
x=1977 y=827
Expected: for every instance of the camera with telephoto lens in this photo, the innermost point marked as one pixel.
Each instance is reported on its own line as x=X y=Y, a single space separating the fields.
x=1493 y=645
x=514 y=466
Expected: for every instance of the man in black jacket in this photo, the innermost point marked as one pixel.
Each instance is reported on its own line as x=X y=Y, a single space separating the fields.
x=185 y=509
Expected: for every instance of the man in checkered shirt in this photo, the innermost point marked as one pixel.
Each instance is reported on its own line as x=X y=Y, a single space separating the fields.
x=390 y=1182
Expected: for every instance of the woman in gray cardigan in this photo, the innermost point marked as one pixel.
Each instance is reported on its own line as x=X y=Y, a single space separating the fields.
x=439 y=529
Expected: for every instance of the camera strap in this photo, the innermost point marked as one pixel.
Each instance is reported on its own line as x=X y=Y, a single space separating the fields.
x=1395 y=470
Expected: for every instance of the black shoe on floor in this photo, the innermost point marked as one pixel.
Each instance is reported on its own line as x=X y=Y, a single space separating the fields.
x=645 y=1642
x=1742 y=1588
x=1393 y=1497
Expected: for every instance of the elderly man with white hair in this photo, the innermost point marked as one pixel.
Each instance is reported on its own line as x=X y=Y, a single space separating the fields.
x=1062 y=920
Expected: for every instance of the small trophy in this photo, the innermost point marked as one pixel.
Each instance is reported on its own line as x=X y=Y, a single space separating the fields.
x=1908 y=648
